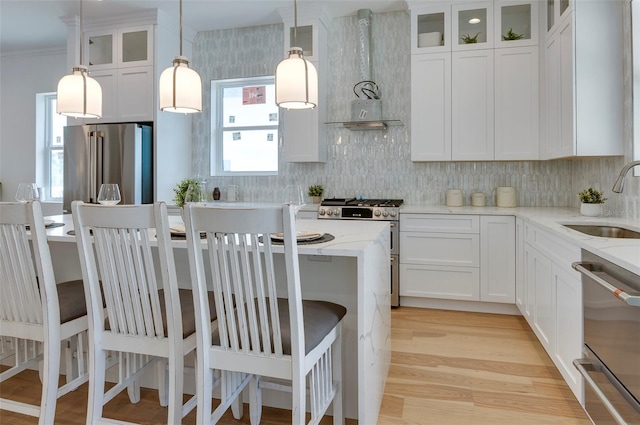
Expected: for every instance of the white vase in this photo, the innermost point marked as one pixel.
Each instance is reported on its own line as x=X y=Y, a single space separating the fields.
x=591 y=210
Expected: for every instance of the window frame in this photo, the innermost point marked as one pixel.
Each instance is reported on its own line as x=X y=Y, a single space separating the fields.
x=218 y=128
x=49 y=147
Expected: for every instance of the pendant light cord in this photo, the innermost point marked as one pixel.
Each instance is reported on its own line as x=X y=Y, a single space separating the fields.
x=180 y=27
x=295 y=23
x=81 y=33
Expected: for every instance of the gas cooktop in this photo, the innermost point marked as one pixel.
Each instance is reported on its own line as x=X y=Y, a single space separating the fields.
x=353 y=202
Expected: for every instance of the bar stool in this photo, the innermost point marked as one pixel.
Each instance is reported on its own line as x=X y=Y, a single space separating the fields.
x=37 y=314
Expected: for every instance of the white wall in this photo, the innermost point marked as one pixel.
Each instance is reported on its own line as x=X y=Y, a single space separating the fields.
x=21 y=78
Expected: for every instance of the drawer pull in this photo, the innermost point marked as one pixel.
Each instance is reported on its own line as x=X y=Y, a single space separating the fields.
x=588 y=269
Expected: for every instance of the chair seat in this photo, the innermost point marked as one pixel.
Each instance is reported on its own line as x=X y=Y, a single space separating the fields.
x=188 y=311
x=71 y=299
x=319 y=318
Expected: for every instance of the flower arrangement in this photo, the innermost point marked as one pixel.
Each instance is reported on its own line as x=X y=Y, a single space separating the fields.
x=181 y=190
x=591 y=196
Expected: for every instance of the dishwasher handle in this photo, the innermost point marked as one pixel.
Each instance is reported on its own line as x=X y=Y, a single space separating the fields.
x=582 y=365
x=587 y=270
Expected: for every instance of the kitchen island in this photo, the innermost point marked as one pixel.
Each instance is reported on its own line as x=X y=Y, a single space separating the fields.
x=352 y=270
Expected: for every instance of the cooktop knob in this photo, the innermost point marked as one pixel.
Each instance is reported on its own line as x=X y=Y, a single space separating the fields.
x=392 y=213
x=329 y=213
x=377 y=213
x=385 y=214
x=336 y=212
x=321 y=212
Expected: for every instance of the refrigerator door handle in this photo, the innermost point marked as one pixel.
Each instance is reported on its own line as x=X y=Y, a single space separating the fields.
x=92 y=166
x=99 y=163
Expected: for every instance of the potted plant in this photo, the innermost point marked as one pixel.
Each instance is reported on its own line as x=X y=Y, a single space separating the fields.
x=316 y=192
x=467 y=39
x=591 y=201
x=181 y=190
x=511 y=36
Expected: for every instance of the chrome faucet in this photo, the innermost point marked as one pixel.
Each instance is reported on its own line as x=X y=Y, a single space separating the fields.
x=619 y=184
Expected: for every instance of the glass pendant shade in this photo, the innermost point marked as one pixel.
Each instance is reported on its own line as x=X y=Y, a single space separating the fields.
x=78 y=95
x=180 y=88
x=296 y=82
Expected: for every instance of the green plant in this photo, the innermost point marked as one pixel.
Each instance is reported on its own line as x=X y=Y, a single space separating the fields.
x=591 y=196
x=316 y=190
x=181 y=190
x=467 y=39
x=512 y=35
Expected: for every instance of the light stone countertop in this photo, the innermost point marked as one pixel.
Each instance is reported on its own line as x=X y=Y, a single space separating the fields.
x=623 y=252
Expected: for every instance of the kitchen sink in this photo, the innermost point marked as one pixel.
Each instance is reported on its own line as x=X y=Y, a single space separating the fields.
x=604 y=231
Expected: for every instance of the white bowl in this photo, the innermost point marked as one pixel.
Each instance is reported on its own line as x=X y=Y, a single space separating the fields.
x=430 y=39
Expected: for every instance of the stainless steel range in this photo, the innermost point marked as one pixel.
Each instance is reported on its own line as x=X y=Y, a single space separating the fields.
x=370 y=209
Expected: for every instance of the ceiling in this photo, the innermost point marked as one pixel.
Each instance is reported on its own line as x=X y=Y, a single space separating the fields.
x=27 y=25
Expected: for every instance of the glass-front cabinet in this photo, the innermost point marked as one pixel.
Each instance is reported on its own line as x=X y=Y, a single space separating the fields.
x=119 y=48
x=557 y=10
x=472 y=26
x=431 y=30
x=516 y=23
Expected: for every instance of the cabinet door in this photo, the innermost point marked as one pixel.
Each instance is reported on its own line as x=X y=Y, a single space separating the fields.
x=540 y=277
x=567 y=97
x=497 y=259
x=472 y=21
x=472 y=106
x=108 y=80
x=431 y=30
x=553 y=83
x=516 y=103
x=515 y=23
x=428 y=281
x=135 y=46
x=135 y=94
x=100 y=49
x=568 y=332
x=431 y=107
x=443 y=249
x=521 y=289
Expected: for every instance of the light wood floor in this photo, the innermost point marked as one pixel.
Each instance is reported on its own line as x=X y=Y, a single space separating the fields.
x=447 y=368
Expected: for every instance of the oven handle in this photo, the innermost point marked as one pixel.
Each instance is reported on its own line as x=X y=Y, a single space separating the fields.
x=587 y=270
x=582 y=365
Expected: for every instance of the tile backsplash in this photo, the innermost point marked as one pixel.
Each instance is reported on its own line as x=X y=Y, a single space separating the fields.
x=377 y=163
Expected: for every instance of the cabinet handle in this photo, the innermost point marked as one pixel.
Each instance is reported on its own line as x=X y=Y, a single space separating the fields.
x=588 y=270
x=582 y=365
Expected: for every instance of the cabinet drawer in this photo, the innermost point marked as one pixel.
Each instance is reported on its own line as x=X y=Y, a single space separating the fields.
x=454 y=283
x=440 y=223
x=444 y=249
x=562 y=252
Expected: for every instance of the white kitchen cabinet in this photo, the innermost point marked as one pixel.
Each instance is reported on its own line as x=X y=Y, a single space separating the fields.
x=304 y=131
x=584 y=79
x=119 y=47
x=513 y=19
x=431 y=107
x=521 y=294
x=553 y=299
x=497 y=259
x=457 y=257
x=474 y=102
x=517 y=118
x=472 y=20
x=472 y=106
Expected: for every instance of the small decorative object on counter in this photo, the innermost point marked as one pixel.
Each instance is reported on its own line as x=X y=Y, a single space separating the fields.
x=316 y=192
x=591 y=202
x=478 y=199
x=454 y=198
x=216 y=194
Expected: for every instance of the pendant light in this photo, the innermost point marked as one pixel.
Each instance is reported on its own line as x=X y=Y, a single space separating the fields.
x=180 y=86
x=296 y=77
x=78 y=95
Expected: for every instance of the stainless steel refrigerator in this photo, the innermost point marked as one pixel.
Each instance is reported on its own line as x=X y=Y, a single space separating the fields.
x=108 y=153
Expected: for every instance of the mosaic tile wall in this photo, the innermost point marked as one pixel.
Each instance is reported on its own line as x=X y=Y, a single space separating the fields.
x=376 y=163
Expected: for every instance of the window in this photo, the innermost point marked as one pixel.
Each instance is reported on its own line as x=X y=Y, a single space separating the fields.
x=244 y=127
x=54 y=144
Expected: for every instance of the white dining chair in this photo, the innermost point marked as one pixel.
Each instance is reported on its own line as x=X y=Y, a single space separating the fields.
x=297 y=342
x=37 y=315
x=121 y=273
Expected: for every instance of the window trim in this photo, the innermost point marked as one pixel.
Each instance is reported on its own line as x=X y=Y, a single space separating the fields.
x=49 y=147
x=217 y=125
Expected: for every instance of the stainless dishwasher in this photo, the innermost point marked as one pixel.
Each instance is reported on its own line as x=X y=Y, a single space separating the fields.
x=611 y=363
